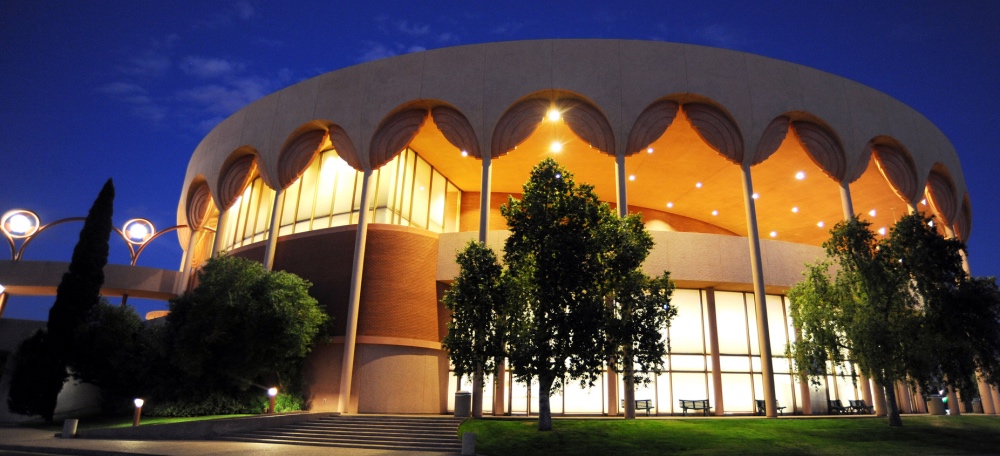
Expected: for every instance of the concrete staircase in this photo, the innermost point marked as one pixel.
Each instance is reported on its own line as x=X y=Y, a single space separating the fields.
x=382 y=432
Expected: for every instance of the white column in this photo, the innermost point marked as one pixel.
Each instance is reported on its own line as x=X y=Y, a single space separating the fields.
x=272 y=233
x=713 y=341
x=220 y=231
x=756 y=266
x=351 y=327
x=620 y=181
x=484 y=198
x=845 y=201
x=985 y=396
x=185 y=278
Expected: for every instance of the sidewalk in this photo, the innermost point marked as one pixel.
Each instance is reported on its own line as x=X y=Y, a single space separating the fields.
x=28 y=440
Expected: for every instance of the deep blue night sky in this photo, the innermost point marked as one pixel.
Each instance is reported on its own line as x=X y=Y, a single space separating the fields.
x=127 y=89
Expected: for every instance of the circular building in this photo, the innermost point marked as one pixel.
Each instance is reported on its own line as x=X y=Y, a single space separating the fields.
x=367 y=180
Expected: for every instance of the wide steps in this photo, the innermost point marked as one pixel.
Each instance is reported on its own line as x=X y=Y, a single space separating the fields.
x=379 y=432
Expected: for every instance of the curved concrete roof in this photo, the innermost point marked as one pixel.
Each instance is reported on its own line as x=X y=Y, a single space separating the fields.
x=619 y=78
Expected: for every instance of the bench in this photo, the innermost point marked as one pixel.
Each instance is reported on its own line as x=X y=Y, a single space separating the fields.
x=695 y=404
x=641 y=404
x=836 y=406
x=860 y=407
x=762 y=411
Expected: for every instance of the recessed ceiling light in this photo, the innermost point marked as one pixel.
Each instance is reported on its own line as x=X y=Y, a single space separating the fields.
x=795 y=209
x=558 y=175
x=871 y=212
x=820 y=224
x=631 y=177
x=715 y=212
x=774 y=234
x=556 y=146
x=881 y=231
x=930 y=223
x=697 y=185
x=554 y=114
x=649 y=150
x=755 y=195
x=800 y=175
x=671 y=204
x=923 y=201
x=465 y=153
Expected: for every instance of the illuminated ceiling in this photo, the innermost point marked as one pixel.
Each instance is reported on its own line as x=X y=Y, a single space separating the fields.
x=681 y=174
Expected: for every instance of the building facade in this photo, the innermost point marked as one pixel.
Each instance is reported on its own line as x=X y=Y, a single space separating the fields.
x=367 y=180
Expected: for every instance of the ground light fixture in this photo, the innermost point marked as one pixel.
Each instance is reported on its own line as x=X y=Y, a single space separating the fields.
x=272 y=392
x=138 y=411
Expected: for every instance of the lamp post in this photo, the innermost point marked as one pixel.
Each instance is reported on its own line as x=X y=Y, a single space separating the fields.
x=272 y=392
x=138 y=411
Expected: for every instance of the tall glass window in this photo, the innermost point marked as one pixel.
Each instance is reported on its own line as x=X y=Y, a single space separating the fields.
x=408 y=191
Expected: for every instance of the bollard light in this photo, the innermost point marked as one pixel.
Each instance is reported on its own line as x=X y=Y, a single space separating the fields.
x=138 y=411
x=272 y=392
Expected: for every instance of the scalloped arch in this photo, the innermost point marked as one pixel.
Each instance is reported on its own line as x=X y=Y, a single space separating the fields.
x=456 y=129
x=650 y=125
x=823 y=147
x=344 y=147
x=963 y=223
x=298 y=152
x=394 y=134
x=237 y=172
x=199 y=204
x=516 y=125
x=940 y=193
x=771 y=139
x=589 y=123
x=898 y=168
x=717 y=129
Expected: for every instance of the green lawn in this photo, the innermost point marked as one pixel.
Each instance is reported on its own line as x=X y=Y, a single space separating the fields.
x=99 y=422
x=967 y=434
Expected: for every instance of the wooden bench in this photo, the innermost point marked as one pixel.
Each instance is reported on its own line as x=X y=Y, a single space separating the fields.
x=695 y=404
x=641 y=404
x=762 y=411
x=860 y=407
x=836 y=406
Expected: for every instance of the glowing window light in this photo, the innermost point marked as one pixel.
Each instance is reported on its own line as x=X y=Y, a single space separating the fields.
x=800 y=175
x=697 y=185
x=553 y=115
x=556 y=146
x=820 y=224
x=795 y=209
x=631 y=177
x=872 y=212
x=755 y=195
x=715 y=212
x=670 y=204
x=649 y=150
x=774 y=234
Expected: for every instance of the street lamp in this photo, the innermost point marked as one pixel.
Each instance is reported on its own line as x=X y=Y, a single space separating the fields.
x=271 y=393
x=138 y=411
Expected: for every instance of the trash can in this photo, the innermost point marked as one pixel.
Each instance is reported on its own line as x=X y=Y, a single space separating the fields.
x=977 y=405
x=935 y=406
x=463 y=404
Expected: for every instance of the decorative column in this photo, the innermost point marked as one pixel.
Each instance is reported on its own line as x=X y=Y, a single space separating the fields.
x=760 y=301
x=879 y=399
x=954 y=407
x=804 y=383
x=484 y=198
x=621 y=197
x=995 y=394
x=220 y=230
x=272 y=232
x=351 y=327
x=713 y=341
x=621 y=194
x=845 y=201
x=188 y=259
x=989 y=408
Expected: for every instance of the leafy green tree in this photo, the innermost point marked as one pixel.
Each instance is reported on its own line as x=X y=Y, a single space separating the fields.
x=241 y=326
x=41 y=370
x=640 y=305
x=112 y=354
x=555 y=255
x=897 y=308
x=476 y=339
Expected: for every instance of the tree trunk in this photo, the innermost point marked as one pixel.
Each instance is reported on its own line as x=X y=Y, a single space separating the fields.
x=477 y=393
x=890 y=402
x=629 y=392
x=544 y=409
